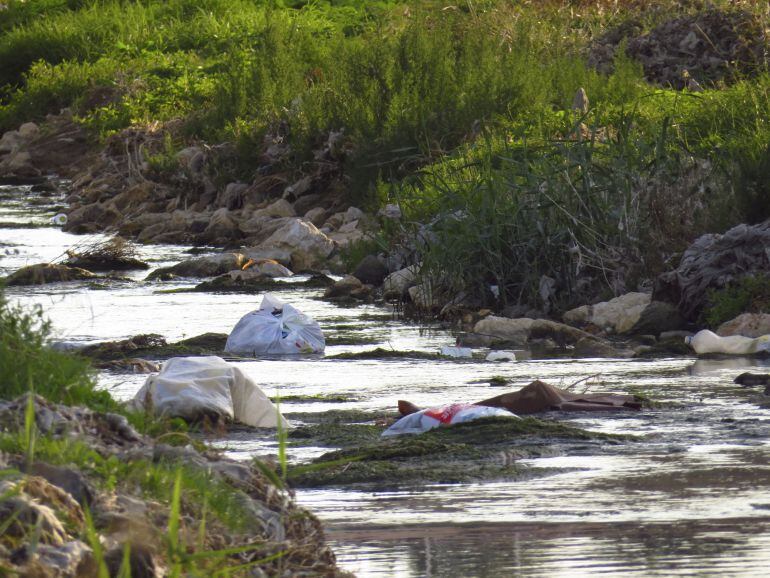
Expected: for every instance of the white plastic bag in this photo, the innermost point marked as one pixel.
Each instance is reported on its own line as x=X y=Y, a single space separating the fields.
x=458 y=352
x=706 y=341
x=192 y=387
x=501 y=356
x=434 y=417
x=275 y=328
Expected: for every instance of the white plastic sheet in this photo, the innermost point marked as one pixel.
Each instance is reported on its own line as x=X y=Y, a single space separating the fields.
x=427 y=419
x=191 y=387
x=275 y=328
x=706 y=341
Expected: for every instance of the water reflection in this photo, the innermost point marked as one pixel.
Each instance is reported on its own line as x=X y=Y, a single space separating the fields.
x=736 y=547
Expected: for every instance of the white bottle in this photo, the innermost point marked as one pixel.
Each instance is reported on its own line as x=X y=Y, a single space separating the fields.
x=706 y=341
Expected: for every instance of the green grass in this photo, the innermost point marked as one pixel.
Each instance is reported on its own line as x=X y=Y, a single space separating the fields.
x=26 y=363
x=461 y=113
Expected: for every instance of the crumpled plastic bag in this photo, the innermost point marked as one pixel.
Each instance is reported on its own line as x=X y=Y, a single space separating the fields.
x=276 y=328
x=706 y=341
x=195 y=387
x=427 y=419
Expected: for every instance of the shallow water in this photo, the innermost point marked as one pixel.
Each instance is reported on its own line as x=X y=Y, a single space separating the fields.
x=690 y=497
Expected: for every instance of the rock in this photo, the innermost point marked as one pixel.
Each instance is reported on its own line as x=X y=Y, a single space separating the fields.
x=747 y=324
x=678 y=335
x=18 y=163
x=261 y=227
x=28 y=130
x=302 y=186
x=209 y=266
x=47 y=273
x=91 y=217
x=513 y=330
x=352 y=214
x=748 y=379
x=69 y=559
x=424 y=297
x=658 y=317
x=249 y=281
x=334 y=222
x=617 y=315
x=593 y=347
x=10 y=142
x=282 y=256
x=141 y=561
x=192 y=159
x=28 y=509
x=307 y=203
x=222 y=228
x=396 y=284
x=390 y=211
x=280 y=208
x=713 y=262
x=309 y=247
x=67 y=479
x=316 y=216
x=523 y=330
x=558 y=332
x=371 y=270
x=129 y=365
x=347 y=287
x=269 y=267
x=347 y=234
x=578 y=316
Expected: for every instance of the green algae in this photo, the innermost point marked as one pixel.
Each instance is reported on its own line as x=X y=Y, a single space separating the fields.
x=153 y=346
x=350 y=340
x=320 y=397
x=380 y=353
x=481 y=450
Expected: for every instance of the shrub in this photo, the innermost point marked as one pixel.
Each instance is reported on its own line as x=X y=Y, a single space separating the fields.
x=750 y=294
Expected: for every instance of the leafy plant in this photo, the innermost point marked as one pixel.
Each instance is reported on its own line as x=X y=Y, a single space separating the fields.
x=750 y=294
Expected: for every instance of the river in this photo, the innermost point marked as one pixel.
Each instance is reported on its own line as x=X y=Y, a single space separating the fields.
x=690 y=498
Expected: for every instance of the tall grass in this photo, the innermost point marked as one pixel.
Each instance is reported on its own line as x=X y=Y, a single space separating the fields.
x=560 y=210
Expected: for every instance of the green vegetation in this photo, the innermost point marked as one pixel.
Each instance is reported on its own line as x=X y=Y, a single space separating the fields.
x=461 y=113
x=26 y=362
x=747 y=295
x=480 y=450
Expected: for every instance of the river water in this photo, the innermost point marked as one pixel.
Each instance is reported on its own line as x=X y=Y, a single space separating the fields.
x=690 y=498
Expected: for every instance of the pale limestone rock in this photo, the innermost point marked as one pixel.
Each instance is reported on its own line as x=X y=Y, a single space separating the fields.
x=308 y=246
x=746 y=324
x=396 y=284
x=617 y=315
x=280 y=208
x=515 y=330
x=317 y=216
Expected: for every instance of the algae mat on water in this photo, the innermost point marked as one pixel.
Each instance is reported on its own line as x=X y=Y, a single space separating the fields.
x=488 y=449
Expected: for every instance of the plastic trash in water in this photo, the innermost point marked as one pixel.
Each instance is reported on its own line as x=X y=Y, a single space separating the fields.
x=457 y=352
x=431 y=418
x=59 y=219
x=706 y=341
x=192 y=387
x=501 y=356
x=275 y=328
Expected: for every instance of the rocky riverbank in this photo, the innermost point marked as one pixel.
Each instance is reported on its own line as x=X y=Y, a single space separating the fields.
x=83 y=492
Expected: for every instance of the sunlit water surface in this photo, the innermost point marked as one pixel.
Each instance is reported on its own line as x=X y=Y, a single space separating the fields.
x=691 y=497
